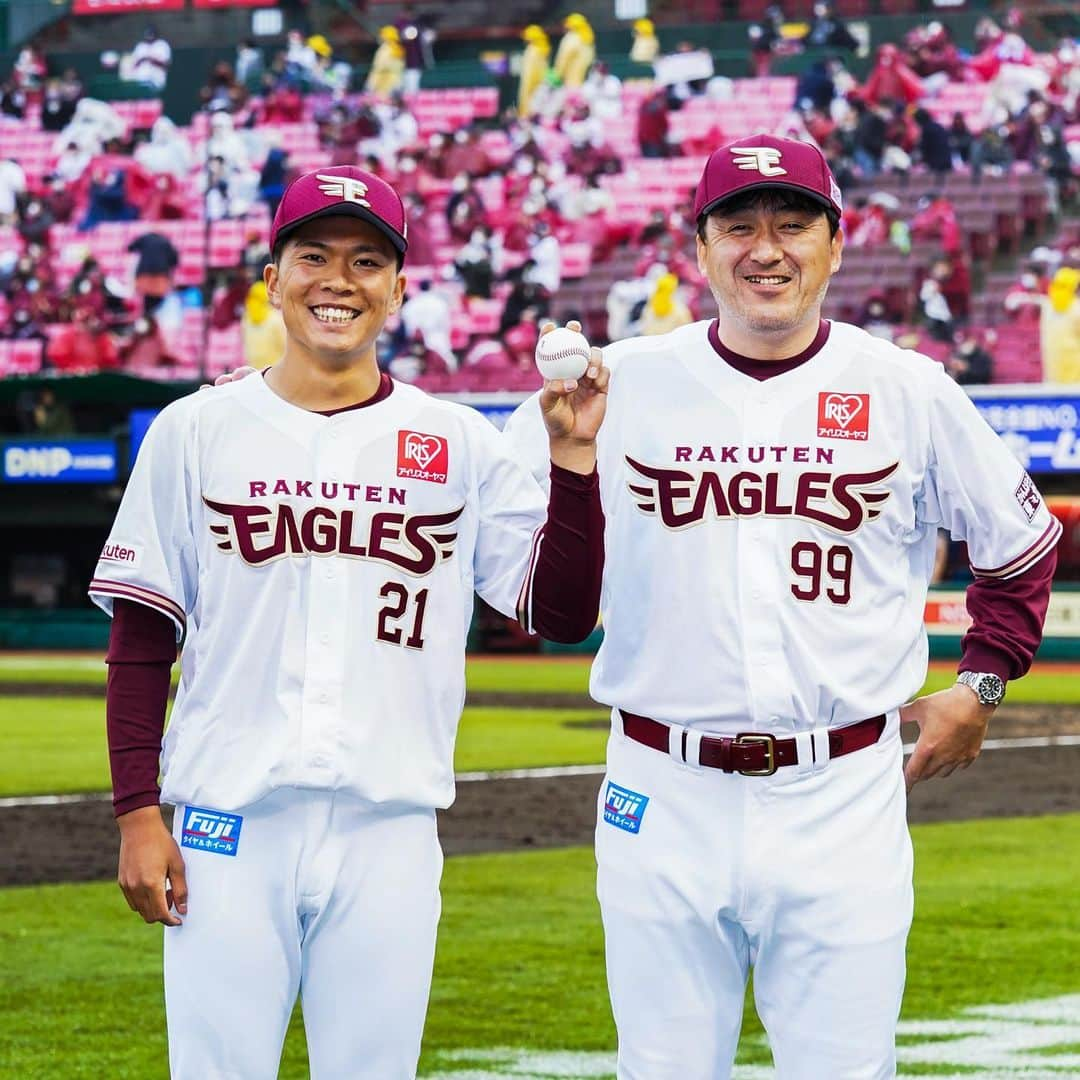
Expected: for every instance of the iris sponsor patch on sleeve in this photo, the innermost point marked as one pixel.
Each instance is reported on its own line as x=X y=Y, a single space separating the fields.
x=1027 y=495
x=211 y=830
x=624 y=808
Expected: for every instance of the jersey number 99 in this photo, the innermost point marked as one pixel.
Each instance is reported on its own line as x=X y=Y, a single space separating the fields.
x=820 y=570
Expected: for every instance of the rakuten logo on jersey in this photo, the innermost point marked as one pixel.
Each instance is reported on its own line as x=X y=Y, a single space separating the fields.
x=843 y=416
x=261 y=534
x=119 y=553
x=422 y=457
x=841 y=502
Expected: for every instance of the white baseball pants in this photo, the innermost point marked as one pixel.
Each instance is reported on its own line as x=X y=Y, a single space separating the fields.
x=806 y=876
x=326 y=895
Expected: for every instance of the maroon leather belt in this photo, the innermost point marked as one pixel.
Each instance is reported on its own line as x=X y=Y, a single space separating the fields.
x=748 y=753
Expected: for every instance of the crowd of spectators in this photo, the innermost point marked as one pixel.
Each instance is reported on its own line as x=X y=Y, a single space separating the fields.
x=507 y=223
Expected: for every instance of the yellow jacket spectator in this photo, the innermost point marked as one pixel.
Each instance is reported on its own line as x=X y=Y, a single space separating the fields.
x=263 y=327
x=665 y=311
x=576 y=52
x=646 y=43
x=534 y=66
x=388 y=65
x=1059 y=328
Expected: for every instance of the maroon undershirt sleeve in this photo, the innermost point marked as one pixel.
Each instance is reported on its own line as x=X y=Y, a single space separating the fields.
x=142 y=648
x=570 y=563
x=1007 y=620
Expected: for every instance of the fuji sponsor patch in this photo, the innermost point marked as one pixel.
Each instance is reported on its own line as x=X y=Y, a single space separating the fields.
x=120 y=553
x=1027 y=495
x=624 y=808
x=211 y=830
x=423 y=457
x=843 y=416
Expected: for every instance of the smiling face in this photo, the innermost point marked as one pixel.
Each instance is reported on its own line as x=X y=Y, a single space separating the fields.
x=336 y=282
x=768 y=261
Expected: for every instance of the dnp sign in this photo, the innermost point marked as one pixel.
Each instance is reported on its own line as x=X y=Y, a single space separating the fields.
x=70 y=462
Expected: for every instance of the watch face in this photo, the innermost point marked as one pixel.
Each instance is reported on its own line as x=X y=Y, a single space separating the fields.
x=991 y=689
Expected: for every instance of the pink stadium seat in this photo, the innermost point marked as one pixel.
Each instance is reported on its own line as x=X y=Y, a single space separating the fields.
x=20 y=357
x=576 y=260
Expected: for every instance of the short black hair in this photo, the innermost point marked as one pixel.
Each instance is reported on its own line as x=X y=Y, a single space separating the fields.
x=771 y=200
x=279 y=250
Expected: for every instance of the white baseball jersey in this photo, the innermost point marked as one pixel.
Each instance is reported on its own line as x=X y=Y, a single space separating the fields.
x=769 y=544
x=321 y=570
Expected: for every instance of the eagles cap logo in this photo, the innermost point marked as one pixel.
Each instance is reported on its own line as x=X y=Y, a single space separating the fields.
x=345 y=190
x=766 y=161
x=763 y=159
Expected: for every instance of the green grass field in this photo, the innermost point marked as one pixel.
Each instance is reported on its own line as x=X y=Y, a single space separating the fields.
x=520 y=956
x=57 y=745
x=520 y=963
x=562 y=674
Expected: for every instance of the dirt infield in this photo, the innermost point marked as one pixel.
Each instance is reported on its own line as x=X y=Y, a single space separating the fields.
x=78 y=841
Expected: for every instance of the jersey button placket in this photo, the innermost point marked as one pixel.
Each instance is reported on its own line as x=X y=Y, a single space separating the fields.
x=325 y=635
x=760 y=601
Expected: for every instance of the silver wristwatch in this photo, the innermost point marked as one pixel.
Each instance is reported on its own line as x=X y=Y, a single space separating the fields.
x=989 y=688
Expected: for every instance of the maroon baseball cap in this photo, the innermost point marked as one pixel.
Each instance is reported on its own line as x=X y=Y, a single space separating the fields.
x=766 y=161
x=341 y=189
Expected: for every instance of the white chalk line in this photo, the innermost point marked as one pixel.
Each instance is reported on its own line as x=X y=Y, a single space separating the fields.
x=1033 y=742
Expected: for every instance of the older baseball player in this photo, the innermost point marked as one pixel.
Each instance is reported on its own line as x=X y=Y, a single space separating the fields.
x=314 y=537
x=772 y=486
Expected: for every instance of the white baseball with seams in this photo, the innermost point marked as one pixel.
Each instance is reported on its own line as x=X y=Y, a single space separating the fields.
x=562 y=354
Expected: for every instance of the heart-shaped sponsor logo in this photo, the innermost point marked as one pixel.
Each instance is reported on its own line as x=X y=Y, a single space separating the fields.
x=421 y=456
x=423 y=449
x=843 y=408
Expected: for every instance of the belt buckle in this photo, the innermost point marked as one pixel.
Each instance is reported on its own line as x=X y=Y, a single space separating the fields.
x=769 y=742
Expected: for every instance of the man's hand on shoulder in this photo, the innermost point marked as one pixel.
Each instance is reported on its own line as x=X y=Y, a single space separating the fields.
x=573 y=410
x=230 y=376
x=952 y=726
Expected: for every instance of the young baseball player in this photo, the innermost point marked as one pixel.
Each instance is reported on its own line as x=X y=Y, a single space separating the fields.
x=314 y=538
x=772 y=486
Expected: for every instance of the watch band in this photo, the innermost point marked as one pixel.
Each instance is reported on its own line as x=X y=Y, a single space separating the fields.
x=988 y=687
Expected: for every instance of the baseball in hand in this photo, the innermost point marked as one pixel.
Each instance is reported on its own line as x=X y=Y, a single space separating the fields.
x=562 y=354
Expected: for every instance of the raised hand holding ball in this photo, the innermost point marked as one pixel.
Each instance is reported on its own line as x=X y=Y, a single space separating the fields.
x=562 y=353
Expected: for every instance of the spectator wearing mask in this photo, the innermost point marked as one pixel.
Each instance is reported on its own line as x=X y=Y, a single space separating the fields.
x=960 y=139
x=935 y=310
x=150 y=60
x=934 y=147
x=157 y=262
x=869 y=137
x=969 y=363
x=475 y=264
x=935 y=219
x=417 y=36
x=427 y=313
x=12 y=101
x=57 y=108
x=874 y=317
x=249 y=66
x=829 y=32
x=653 y=125
x=167 y=152
x=891 y=79
x=416 y=360
x=12 y=186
